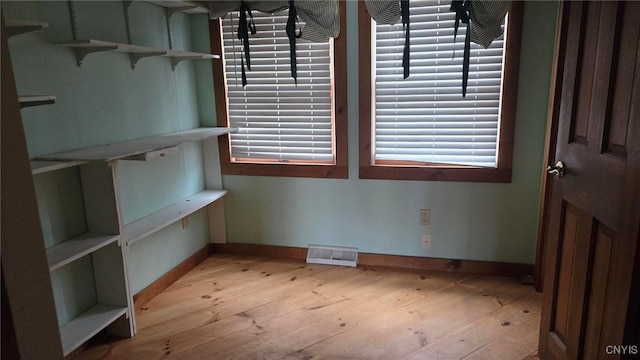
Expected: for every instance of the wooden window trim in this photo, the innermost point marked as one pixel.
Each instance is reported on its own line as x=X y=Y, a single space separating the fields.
x=501 y=174
x=340 y=169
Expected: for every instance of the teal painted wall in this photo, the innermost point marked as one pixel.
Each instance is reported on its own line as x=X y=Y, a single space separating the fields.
x=106 y=101
x=493 y=222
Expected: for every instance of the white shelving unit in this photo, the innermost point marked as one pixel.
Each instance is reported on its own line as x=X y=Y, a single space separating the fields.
x=103 y=243
x=102 y=248
x=112 y=307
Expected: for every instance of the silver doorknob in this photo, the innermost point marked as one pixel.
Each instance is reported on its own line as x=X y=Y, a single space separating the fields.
x=557 y=170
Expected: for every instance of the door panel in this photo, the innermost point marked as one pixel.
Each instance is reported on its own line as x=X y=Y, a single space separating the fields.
x=591 y=229
x=565 y=273
x=575 y=239
x=601 y=268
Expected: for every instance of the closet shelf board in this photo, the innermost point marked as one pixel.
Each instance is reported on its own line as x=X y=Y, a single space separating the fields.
x=88 y=46
x=62 y=254
x=187 y=7
x=125 y=149
x=22 y=26
x=36 y=100
x=43 y=166
x=146 y=226
x=87 y=324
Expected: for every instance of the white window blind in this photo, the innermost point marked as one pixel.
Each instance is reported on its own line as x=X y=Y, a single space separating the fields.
x=277 y=119
x=424 y=118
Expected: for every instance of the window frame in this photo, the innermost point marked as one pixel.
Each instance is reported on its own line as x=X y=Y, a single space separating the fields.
x=440 y=172
x=339 y=169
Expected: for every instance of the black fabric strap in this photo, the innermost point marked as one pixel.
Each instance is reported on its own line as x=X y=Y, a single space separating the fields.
x=243 y=34
x=461 y=8
x=404 y=10
x=291 y=33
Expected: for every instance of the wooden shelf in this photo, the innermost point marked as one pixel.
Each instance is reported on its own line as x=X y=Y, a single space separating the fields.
x=146 y=226
x=89 y=46
x=87 y=324
x=43 y=166
x=187 y=7
x=129 y=148
x=36 y=100
x=73 y=249
x=19 y=26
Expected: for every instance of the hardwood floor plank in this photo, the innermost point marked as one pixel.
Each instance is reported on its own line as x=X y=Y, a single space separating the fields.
x=516 y=344
x=474 y=336
x=393 y=334
x=215 y=265
x=312 y=319
x=237 y=312
x=238 y=307
x=174 y=304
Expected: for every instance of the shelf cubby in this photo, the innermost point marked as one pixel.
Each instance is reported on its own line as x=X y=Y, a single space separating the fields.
x=87 y=324
x=77 y=247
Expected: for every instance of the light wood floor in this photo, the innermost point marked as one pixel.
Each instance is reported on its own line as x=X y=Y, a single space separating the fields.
x=233 y=307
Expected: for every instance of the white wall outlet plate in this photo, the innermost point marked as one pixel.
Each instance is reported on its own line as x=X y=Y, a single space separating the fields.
x=425 y=217
x=426 y=241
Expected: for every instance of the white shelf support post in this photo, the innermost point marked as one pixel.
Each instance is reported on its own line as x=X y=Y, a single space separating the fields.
x=213 y=180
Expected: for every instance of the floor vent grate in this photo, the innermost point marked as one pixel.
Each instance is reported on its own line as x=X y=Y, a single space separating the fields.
x=332 y=255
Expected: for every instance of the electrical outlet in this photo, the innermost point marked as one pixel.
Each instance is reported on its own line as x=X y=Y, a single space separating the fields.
x=426 y=241
x=185 y=222
x=425 y=217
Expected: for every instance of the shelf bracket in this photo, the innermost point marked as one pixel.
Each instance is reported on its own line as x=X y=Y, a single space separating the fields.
x=177 y=59
x=81 y=53
x=136 y=57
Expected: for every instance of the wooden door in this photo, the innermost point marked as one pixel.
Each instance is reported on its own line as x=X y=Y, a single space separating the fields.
x=592 y=228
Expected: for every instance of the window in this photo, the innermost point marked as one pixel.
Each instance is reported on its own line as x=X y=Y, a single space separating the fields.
x=285 y=129
x=421 y=128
